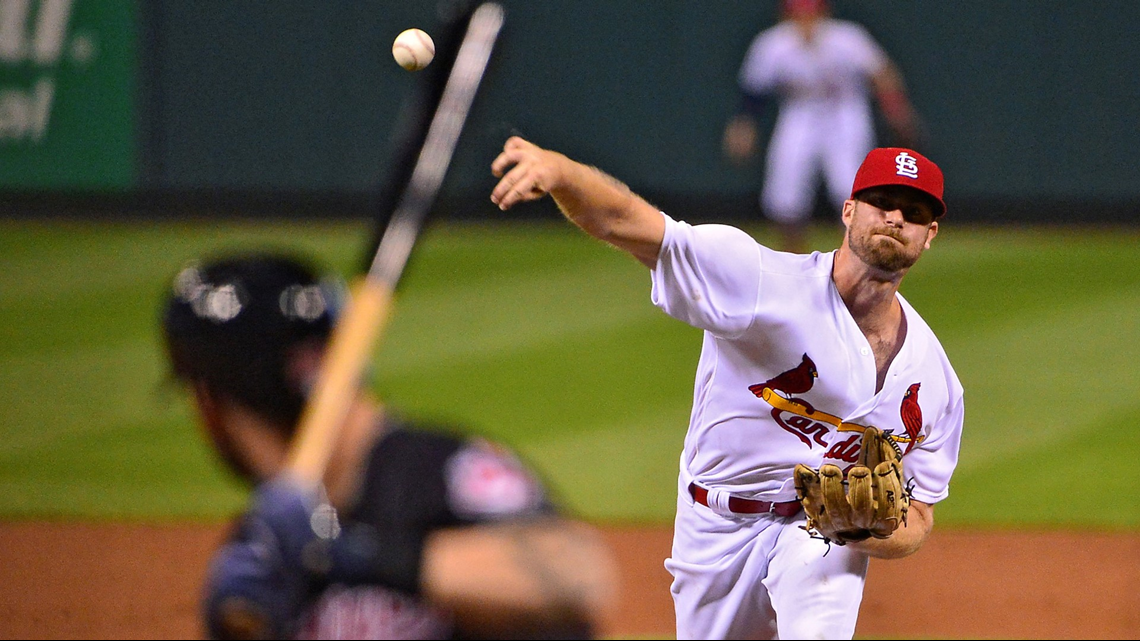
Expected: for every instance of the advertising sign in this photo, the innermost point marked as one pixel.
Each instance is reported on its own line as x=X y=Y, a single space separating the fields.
x=67 y=94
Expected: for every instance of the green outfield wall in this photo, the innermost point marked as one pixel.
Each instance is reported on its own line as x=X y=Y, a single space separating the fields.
x=1030 y=105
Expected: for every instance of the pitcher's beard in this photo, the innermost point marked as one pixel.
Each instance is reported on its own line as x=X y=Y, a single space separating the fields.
x=881 y=253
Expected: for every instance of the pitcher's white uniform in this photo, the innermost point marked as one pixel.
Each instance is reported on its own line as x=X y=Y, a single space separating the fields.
x=825 y=120
x=767 y=313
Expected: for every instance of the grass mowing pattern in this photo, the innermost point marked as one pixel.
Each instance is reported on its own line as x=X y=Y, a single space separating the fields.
x=542 y=337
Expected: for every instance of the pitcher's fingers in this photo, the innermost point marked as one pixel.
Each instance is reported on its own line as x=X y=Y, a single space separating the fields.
x=517 y=142
x=519 y=185
x=506 y=182
x=503 y=162
x=512 y=153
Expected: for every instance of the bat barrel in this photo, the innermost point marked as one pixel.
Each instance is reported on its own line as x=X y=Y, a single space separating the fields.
x=439 y=145
x=359 y=327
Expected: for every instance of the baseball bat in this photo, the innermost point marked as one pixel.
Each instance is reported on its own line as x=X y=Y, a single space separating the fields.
x=359 y=327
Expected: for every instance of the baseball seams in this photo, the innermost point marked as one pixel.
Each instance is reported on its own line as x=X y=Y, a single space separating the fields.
x=414 y=49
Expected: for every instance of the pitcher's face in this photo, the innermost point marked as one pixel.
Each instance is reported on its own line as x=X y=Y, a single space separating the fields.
x=888 y=228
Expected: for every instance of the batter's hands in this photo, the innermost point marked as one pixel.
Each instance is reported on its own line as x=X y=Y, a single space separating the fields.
x=527 y=172
x=258 y=582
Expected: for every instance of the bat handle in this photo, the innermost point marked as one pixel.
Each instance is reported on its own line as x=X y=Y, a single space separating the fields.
x=338 y=382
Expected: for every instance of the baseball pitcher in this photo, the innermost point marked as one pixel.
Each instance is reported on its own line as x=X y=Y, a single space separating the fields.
x=826 y=416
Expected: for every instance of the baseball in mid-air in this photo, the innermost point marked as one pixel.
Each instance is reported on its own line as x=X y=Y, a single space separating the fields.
x=413 y=49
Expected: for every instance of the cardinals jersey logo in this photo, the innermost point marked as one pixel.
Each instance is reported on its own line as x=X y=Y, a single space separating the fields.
x=911 y=415
x=797 y=380
x=780 y=391
x=810 y=425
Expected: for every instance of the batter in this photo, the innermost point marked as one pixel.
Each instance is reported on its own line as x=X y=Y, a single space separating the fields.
x=419 y=531
x=801 y=353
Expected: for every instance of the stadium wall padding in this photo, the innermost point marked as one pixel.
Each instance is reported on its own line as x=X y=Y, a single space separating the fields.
x=1030 y=105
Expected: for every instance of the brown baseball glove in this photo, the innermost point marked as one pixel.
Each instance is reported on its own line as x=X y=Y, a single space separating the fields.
x=871 y=502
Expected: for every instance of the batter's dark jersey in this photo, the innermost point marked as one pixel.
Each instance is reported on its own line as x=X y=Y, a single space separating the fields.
x=423 y=480
x=416 y=480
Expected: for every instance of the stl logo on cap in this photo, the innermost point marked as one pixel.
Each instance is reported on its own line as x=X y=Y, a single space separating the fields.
x=899 y=166
x=907 y=165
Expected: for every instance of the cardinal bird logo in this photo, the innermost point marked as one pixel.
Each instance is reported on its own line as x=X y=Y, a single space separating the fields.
x=797 y=380
x=911 y=415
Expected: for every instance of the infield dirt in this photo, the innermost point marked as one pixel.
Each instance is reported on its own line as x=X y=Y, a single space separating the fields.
x=141 y=581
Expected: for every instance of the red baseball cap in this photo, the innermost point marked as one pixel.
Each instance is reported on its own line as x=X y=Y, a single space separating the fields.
x=899 y=166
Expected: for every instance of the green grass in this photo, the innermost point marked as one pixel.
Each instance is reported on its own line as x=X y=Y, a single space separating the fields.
x=546 y=339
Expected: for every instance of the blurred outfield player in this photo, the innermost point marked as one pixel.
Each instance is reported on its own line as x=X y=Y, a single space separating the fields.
x=801 y=354
x=418 y=533
x=821 y=71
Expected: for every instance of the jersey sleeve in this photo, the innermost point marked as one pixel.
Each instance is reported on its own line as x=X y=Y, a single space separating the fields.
x=758 y=73
x=929 y=466
x=862 y=50
x=486 y=482
x=708 y=276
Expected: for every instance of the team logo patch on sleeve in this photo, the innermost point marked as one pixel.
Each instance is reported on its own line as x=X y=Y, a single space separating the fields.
x=484 y=480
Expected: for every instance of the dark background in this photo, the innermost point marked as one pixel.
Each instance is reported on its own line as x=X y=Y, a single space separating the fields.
x=289 y=107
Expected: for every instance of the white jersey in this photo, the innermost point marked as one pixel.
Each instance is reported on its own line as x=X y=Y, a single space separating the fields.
x=786 y=376
x=829 y=73
x=825 y=122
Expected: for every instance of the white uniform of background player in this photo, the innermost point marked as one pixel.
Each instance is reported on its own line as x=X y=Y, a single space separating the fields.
x=822 y=71
x=801 y=353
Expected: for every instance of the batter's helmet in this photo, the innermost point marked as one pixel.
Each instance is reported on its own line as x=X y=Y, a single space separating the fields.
x=233 y=322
